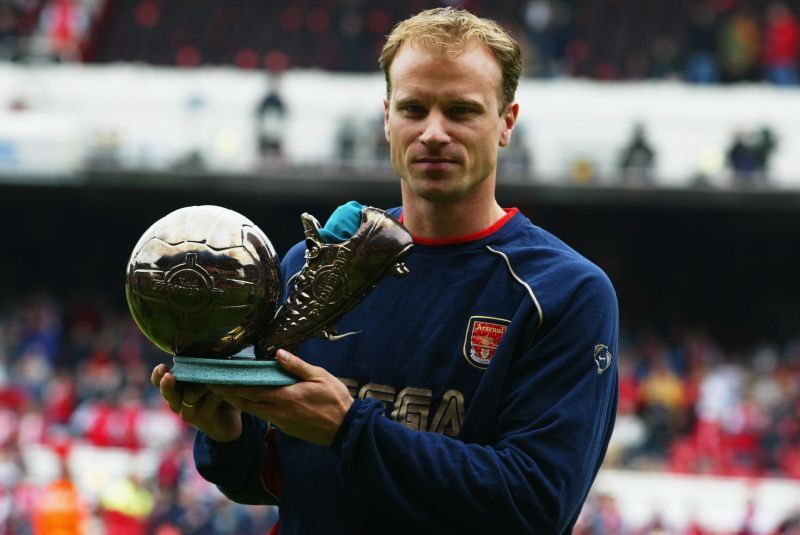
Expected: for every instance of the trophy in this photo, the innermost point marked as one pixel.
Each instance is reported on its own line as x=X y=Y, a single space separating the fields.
x=203 y=284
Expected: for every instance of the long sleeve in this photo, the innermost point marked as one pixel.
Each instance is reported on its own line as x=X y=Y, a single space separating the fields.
x=553 y=421
x=239 y=468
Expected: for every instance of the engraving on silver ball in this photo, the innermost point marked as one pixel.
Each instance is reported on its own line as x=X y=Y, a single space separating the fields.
x=189 y=280
x=202 y=281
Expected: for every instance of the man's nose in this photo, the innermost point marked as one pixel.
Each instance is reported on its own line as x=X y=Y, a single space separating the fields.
x=435 y=133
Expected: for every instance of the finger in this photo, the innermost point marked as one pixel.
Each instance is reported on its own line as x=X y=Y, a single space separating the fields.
x=169 y=391
x=158 y=373
x=243 y=392
x=295 y=365
x=264 y=409
x=192 y=393
x=189 y=408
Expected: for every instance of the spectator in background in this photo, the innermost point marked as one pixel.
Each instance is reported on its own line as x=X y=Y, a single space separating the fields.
x=749 y=155
x=346 y=141
x=662 y=396
x=8 y=30
x=739 y=47
x=64 y=24
x=60 y=508
x=765 y=144
x=126 y=506
x=354 y=36
x=781 y=45
x=665 y=62
x=59 y=398
x=537 y=18
x=743 y=160
x=271 y=115
x=637 y=158
x=549 y=28
x=701 y=43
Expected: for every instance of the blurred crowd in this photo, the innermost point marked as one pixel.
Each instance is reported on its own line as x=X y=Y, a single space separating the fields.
x=602 y=515
x=76 y=373
x=76 y=376
x=691 y=407
x=701 y=41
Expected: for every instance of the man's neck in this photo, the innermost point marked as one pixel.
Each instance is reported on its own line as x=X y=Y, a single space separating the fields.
x=427 y=219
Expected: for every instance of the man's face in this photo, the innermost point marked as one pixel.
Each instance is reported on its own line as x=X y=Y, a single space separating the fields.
x=443 y=122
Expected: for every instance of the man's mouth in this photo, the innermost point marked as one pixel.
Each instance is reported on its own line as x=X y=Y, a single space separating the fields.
x=434 y=164
x=432 y=159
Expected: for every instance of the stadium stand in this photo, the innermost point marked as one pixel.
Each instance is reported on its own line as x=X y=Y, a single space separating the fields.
x=702 y=41
x=746 y=40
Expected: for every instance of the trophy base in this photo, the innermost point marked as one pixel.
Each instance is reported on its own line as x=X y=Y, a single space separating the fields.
x=231 y=372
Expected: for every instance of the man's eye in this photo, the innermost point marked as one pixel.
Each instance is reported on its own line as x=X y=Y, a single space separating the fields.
x=412 y=109
x=461 y=110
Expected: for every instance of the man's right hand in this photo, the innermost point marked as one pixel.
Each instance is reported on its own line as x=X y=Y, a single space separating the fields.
x=198 y=406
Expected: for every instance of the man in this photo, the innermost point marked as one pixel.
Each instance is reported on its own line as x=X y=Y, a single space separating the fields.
x=484 y=381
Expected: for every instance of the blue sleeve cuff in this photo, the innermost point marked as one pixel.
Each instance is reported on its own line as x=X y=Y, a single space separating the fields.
x=250 y=430
x=338 y=439
x=229 y=465
x=361 y=416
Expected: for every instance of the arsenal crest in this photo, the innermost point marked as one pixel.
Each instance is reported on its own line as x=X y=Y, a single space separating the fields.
x=483 y=337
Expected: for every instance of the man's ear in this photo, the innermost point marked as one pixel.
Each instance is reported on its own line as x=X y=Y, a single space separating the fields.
x=509 y=119
x=386 y=118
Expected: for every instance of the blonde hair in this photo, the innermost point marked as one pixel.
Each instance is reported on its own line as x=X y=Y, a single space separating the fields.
x=451 y=31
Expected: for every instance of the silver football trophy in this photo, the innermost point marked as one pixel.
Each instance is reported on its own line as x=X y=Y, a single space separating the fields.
x=203 y=284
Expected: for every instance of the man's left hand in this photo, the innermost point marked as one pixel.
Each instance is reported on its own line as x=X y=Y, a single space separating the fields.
x=311 y=409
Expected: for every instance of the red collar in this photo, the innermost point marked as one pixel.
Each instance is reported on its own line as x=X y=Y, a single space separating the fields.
x=452 y=240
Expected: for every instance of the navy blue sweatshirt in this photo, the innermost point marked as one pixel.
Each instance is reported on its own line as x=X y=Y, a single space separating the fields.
x=485 y=386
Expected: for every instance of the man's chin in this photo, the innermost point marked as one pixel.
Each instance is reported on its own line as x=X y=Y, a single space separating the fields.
x=440 y=189
x=437 y=194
